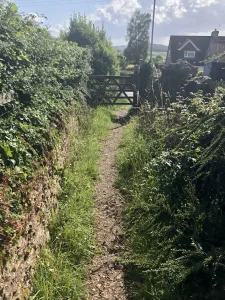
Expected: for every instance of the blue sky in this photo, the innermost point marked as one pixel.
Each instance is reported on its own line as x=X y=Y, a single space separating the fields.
x=58 y=11
x=182 y=17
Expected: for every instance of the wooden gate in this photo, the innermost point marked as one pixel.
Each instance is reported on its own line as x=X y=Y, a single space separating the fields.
x=117 y=90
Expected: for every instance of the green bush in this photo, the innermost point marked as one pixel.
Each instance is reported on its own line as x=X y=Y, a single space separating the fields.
x=172 y=171
x=82 y=31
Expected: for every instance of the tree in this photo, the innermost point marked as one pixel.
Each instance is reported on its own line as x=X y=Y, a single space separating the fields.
x=158 y=60
x=122 y=59
x=82 y=31
x=138 y=37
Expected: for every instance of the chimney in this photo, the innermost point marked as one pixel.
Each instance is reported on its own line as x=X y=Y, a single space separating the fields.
x=215 y=33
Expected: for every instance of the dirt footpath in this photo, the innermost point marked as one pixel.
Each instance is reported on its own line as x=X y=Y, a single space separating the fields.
x=106 y=278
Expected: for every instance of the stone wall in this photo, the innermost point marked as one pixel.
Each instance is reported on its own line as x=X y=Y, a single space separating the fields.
x=16 y=274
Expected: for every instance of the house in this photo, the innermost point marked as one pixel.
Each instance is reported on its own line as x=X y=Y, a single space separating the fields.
x=195 y=49
x=217 y=45
x=215 y=65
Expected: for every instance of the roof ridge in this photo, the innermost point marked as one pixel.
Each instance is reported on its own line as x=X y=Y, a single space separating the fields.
x=187 y=42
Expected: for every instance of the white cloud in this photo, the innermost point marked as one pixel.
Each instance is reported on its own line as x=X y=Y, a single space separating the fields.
x=170 y=9
x=161 y=15
x=94 y=18
x=55 y=30
x=200 y=17
x=117 y=11
x=173 y=17
x=202 y=3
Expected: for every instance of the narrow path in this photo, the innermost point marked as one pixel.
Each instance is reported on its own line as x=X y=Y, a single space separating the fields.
x=106 y=278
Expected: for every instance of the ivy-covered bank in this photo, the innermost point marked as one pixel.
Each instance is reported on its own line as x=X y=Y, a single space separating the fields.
x=44 y=75
x=172 y=173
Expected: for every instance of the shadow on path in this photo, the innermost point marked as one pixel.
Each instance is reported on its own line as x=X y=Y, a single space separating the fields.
x=123 y=120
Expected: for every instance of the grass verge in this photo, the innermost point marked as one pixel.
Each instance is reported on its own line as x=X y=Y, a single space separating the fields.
x=61 y=271
x=171 y=169
x=133 y=153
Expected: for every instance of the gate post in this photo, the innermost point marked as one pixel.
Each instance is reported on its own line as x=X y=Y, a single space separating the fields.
x=136 y=83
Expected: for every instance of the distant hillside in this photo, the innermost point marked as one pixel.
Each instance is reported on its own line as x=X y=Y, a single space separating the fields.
x=156 y=48
x=159 y=48
x=120 y=48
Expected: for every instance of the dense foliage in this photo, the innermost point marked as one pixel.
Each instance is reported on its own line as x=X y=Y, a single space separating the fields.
x=175 y=76
x=44 y=75
x=172 y=171
x=138 y=37
x=85 y=34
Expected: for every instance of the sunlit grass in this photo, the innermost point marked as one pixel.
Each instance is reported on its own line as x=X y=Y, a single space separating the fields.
x=61 y=271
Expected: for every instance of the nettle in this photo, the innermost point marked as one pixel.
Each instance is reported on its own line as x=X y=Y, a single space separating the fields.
x=45 y=76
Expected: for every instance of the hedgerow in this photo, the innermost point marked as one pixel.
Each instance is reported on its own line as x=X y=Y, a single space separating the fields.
x=172 y=172
x=45 y=76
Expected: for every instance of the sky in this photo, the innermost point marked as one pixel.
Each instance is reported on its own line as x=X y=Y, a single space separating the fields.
x=173 y=17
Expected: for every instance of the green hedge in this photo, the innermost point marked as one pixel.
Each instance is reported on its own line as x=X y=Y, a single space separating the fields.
x=44 y=75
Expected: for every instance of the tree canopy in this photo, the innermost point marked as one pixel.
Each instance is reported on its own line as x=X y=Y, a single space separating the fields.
x=85 y=34
x=138 y=37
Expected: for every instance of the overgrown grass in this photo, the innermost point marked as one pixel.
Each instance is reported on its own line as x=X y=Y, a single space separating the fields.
x=61 y=272
x=132 y=155
x=171 y=169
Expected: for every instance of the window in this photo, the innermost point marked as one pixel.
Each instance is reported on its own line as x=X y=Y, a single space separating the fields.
x=189 y=54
